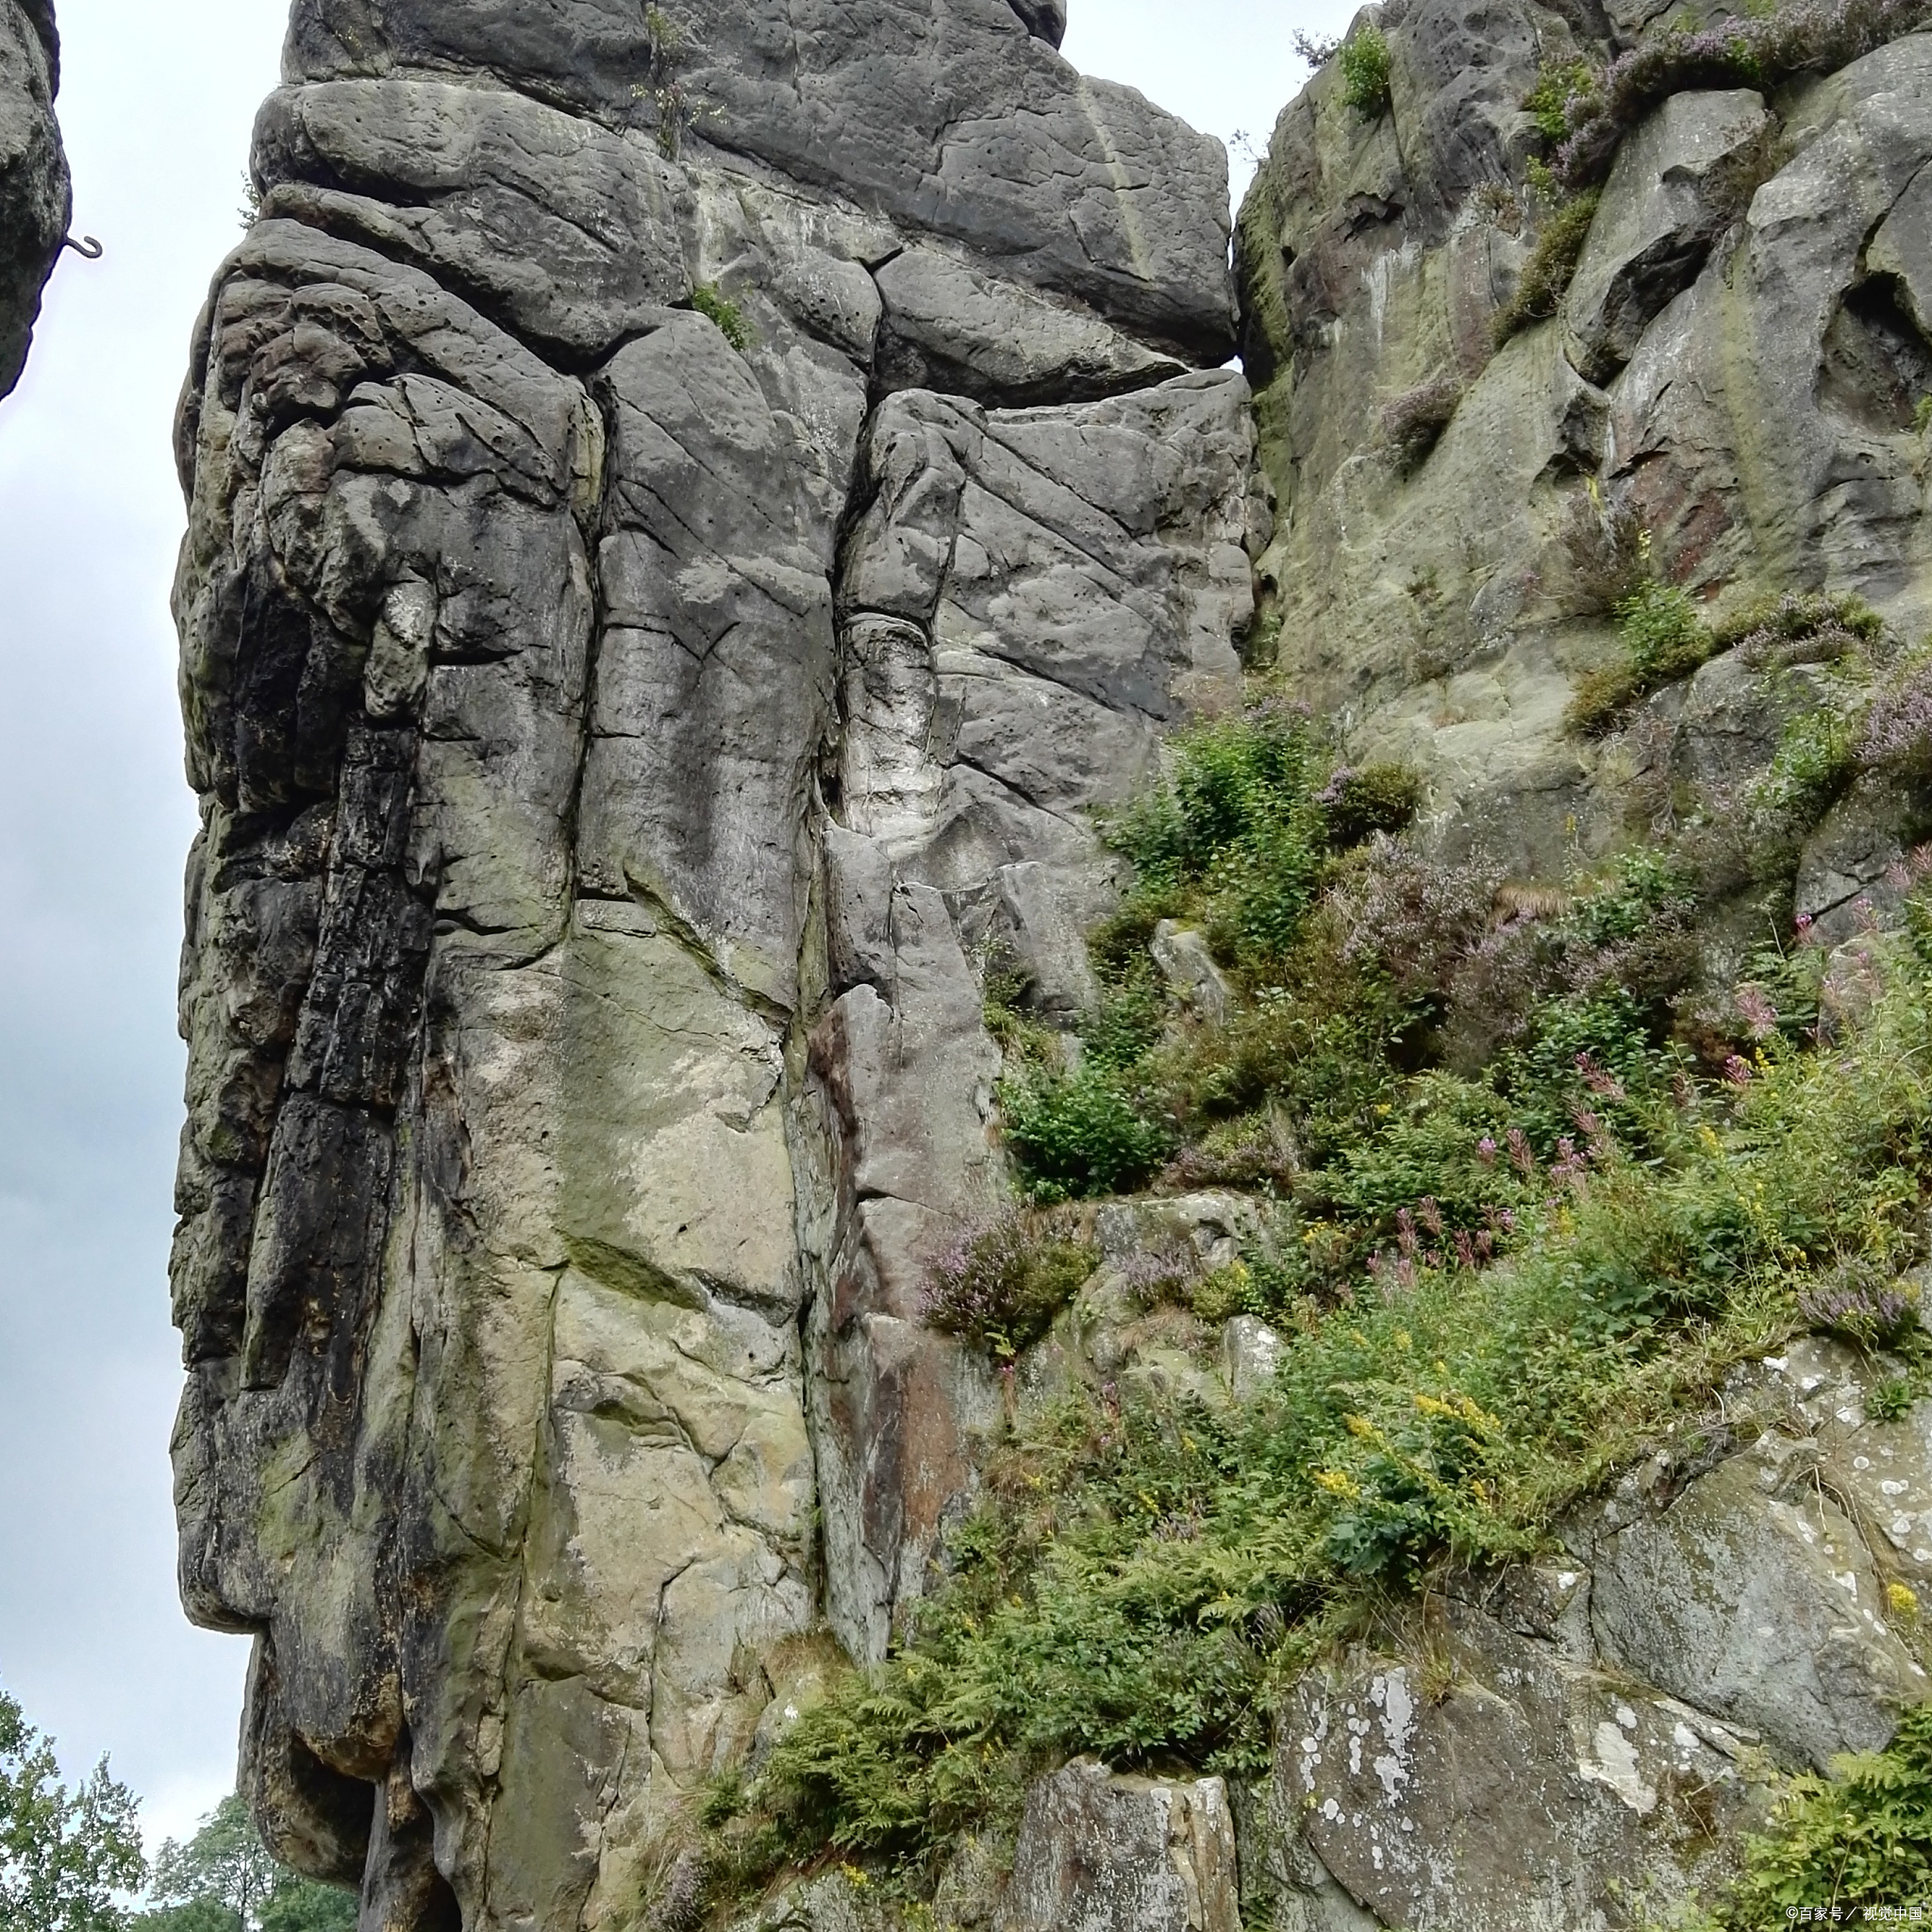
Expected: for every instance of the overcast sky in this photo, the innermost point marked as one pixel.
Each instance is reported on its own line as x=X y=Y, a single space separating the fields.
x=94 y=820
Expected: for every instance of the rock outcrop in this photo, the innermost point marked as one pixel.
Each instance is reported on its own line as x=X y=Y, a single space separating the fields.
x=36 y=198
x=620 y=727
x=691 y=515
x=1736 y=366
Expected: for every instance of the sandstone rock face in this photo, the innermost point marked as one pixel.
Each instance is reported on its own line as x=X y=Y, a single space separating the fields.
x=624 y=733
x=36 y=198
x=1731 y=364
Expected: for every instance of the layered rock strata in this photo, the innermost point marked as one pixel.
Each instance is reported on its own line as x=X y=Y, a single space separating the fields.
x=36 y=197
x=620 y=727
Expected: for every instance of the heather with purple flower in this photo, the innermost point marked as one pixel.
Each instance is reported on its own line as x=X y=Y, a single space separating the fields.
x=999 y=1282
x=1851 y=1302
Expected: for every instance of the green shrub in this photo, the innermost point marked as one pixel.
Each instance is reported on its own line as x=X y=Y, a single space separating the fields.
x=1365 y=70
x=1083 y=1132
x=707 y=299
x=1501 y=1287
x=1237 y=839
x=1547 y=274
x=1378 y=798
x=1663 y=639
x=1559 y=87
x=1861 y=1838
x=1815 y=759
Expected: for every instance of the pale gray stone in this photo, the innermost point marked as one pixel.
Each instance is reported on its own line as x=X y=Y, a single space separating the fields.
x=1754 y=1598
x=963 y=124
x=949 y=326
x=1188 y=966
x=568 y=234
x=1250 y=1354
x=1099 y=1853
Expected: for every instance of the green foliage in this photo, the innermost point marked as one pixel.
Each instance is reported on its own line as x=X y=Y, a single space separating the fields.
x=1495 y=1284
x=63 y=1854
x=1663 y=639
x=1860 y=1837
x=1365 y=70
x=1551 y=264
x=300 y=1905
x=1558 y=86
x=1799 y=616
x=1144 y=1575
x=1236 y=837
x=1378 y=798
x=223 y=1880
x=1082 y=1132
x=707 y=299
x=1814 y=761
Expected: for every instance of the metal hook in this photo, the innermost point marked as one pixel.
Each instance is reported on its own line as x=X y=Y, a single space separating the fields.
x=87 y=247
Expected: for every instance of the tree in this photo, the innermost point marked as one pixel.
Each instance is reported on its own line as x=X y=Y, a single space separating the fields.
x=63 y=1855
x=224 y=1879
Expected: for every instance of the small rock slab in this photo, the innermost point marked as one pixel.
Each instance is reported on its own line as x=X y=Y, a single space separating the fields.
x=1661 y=210
x=1754 y=1597
x=1098 y=1852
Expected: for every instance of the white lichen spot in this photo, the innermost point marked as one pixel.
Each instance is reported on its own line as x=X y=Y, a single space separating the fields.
x=1616 y=1766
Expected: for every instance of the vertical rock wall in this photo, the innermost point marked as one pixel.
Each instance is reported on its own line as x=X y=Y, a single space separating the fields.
x=618 y=733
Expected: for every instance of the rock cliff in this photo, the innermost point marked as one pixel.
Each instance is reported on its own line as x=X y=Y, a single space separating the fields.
x=34 y=195
x=696 y=518
x=685 y=518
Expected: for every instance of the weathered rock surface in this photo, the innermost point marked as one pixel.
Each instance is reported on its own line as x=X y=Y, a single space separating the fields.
x=36 y=198
x=688 y=521
x=1736 y=364
x=1096 y=1853
x=621 y=735
x=1570 y=1737
x=1027 y=600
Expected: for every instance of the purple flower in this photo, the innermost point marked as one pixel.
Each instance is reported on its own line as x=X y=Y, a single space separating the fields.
x=1486 y=1151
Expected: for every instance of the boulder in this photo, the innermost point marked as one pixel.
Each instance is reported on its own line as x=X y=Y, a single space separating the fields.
x=1753 y=1597
x=1671 y=192
x=1098 y=1852
x=1523 y=1794
x=1188 y=968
